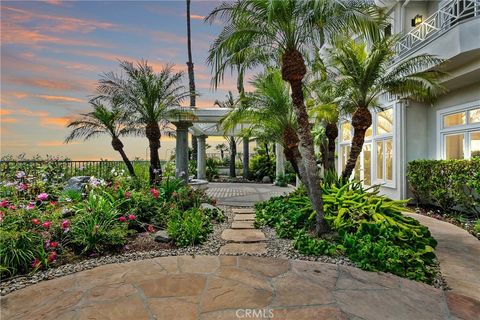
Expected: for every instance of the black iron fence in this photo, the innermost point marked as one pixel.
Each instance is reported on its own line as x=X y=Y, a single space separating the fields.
x=63 y=169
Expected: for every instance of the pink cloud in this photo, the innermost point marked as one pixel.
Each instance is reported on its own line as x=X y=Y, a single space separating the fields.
x=197 y=17
x=59 y=98
x=54 y=143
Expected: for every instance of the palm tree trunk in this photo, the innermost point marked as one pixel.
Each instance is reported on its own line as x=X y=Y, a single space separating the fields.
x=233 y=154
x=191 y=78
x=118 y=146
x=293 y=71
x=361 y=121
x=331 y=132
x=153 y=136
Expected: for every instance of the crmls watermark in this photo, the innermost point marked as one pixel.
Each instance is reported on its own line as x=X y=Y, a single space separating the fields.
x=254 y=313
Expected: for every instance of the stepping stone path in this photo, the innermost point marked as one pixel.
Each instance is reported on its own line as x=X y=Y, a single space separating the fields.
x=243 y=238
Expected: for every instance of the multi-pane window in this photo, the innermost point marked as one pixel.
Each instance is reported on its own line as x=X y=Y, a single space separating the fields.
x=375 y=164
x=460 y=134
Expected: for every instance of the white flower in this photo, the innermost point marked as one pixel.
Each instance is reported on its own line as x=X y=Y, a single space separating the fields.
x=20 y=174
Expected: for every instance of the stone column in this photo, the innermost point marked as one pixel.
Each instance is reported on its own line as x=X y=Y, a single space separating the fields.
x=201 y=158
x=246 y=158
x=279 y=160
x=181 y=150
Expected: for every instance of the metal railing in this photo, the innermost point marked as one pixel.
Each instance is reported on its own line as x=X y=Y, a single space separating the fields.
x=449 y=15
x=63 y=169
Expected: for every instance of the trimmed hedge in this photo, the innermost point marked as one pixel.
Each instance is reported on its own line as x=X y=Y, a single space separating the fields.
x=448 y=184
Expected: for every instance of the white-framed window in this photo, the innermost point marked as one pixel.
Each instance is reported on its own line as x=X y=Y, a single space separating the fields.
x=459 y=131
x=376 y=163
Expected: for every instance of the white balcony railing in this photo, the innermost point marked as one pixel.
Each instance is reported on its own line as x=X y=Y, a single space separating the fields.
x=448 y=16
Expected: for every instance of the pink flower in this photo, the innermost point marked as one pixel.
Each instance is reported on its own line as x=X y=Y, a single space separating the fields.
x=65 y=224
x=30 y=206
x=1 y=216
x=46 y=224
x=131 y=217
x=36 y=263
x=154 y=192
x=36 y=221
x=122 y=219
x=127 y=194
x=4 y=203
x=53 y=244
x=42 y=196
x=22 y=187
x=52 y=256
x=150 y=228
x=174 y=194
x=12 y=207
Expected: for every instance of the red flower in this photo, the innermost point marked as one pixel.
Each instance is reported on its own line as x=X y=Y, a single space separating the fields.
x=131 y=217
x=65 y=224
x=53 y=203
x=11 y=207
x=154 y=192
x=4 y=203
x=174 y=194
x=127 y=195
x=36 y=263
x=53 y=244
x=36 y=221
x=46 y=224
x=52 y=256
x=122 y=219
x=150 y=228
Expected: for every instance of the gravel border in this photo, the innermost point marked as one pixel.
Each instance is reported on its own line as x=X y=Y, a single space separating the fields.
x=276 y=248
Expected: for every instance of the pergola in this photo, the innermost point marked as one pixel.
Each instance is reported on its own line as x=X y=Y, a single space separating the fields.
x=202 y=123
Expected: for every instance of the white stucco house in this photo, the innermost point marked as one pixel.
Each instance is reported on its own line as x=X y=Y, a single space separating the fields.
x=405 y=131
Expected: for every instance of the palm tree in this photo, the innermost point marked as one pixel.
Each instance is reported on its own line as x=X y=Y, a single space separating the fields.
x=269 y=111
x=287 y=30
x=191 y=78
x=230 y=103
x=365 y=72
x=149 y=96
x=221 y=147
x=103 y=120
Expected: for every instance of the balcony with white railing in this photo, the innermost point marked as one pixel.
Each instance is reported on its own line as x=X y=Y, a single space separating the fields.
x=448 y=16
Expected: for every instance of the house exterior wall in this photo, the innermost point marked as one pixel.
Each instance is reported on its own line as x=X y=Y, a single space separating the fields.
x=416 y=133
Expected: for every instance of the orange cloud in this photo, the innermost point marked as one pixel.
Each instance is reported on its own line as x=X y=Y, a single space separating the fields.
x=5 y=112
x=59 y=98
x=54 y=121
x=54 y=143
x=9 y=120
x=67 y=84
x=197 y=17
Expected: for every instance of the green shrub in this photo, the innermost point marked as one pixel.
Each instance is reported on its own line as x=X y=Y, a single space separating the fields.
x=18 y=249
x=446 y=183
x=370 y=229
x=189 y=227
x=96 y=226
x=211 y=169
x=262 y=165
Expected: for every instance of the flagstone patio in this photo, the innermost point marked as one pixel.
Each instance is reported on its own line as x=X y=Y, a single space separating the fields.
x=225 y=287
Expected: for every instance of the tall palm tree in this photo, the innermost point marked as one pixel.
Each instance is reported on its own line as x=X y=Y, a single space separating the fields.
x=365 y=72
x=230 y=103
x=149 y=96
x=221 y=147
x=269 y=111
x=287 y=30
x=102 y=120
x=191 y=78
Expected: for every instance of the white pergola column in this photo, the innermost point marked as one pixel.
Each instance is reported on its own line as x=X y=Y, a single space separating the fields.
x=279 y=160
x=201 y=158
x=181 y=150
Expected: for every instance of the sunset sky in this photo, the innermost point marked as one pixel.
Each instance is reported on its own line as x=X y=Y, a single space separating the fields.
x=52 y=53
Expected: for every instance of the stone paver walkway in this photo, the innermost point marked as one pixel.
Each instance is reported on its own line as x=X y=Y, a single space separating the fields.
x=458 y=253
x=244 y=194
x=242 y=235
x=229 y=287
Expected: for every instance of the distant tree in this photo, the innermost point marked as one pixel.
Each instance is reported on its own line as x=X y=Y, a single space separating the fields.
x=149 y=96
x=103 y=120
